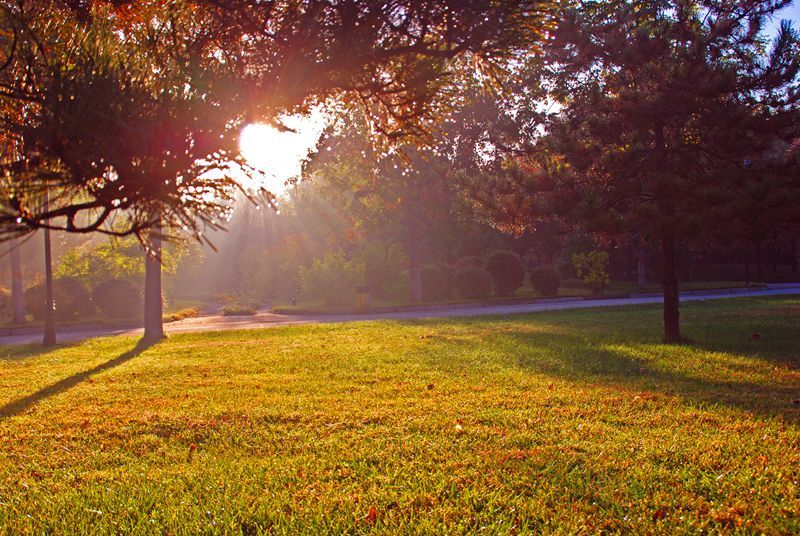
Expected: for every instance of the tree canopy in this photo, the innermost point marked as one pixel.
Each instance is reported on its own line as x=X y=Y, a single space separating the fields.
x=129 y=113
x=672 y=114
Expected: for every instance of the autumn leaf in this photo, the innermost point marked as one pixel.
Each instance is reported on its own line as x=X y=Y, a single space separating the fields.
x=372 y=515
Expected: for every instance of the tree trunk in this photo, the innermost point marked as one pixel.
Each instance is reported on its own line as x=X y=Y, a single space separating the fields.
x=775 y=253
x=49 y=338
x=414 y=258
x=17 y=297
x=688 y=276
x=759 y=262
x=795 y=260
x=747 y=264
x=641 y=267
x=153 y=304
x=672 y=330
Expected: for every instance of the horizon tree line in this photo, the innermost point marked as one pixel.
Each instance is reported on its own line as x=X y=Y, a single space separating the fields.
x=670 y=122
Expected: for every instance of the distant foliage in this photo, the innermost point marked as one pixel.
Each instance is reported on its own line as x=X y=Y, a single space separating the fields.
x=92 y=263
x=332 y=279
x=382 y=267
x=435 y=283
x=473 y=282
x=469 y=260
x=71 y=300
x=545 y=280
x=507 y=272
x=117 y=298
x=592 y=269
x=123 y=259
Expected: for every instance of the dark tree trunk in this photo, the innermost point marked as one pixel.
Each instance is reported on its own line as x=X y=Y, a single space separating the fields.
x=747 y=264
x=672 y=330
x=775 y=253
x=759 y=262
x=629 y=253
x=414 y=259
x=153 y=305
x=641 y=266
x=49 y=338
x=688 y=276
x=795 y=260
x=17 y=297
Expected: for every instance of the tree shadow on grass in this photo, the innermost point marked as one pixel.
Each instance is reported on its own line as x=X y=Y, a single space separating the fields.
x=19 y=352
x=20 y=405
x=622 y=366
x=735 y=375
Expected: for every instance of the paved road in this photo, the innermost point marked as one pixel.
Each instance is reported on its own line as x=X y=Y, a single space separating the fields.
x=265 y=320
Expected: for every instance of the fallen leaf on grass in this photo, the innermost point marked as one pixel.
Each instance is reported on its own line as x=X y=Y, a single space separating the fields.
x=372 y=515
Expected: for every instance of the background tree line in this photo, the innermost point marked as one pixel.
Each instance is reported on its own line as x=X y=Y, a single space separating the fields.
x=661 y=134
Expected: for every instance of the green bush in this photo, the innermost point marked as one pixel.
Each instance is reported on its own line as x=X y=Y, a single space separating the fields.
x=117 y=298
x=70 y=296
x=183 y=314
x=239 y=309
x=507 y=272
x=545 y=280
x=473 y=282
x=592 y=269
x=435 y=284
x=332 y=279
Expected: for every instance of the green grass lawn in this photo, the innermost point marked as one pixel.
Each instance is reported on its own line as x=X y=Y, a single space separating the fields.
x=573 y=422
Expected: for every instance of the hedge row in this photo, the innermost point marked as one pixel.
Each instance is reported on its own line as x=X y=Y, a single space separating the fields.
x=472 y=278
x=113 y=298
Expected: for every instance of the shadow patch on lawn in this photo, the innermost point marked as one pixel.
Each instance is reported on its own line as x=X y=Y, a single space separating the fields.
x=600 y=347
x=574 y=358
x=20 y=405
x=19 y=352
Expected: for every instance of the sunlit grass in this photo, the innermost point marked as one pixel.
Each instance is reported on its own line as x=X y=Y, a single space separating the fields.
x=569 y=421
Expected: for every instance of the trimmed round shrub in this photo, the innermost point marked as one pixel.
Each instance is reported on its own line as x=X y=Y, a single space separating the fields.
x=435 y=284
x=473 y=282
x=117 y=298
x=507 y=272
x=545 y=280
x=70 y=296
x=469 y=260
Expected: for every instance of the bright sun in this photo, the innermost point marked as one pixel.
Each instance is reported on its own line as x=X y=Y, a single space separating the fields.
x=278 y=155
